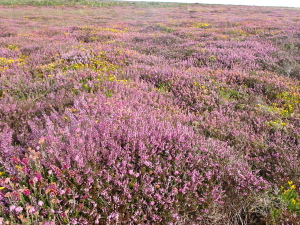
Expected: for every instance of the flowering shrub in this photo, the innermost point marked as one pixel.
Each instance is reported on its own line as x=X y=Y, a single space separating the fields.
x=137 y=117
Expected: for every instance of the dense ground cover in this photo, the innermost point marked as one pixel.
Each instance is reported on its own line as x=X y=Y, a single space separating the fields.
x=148 y=113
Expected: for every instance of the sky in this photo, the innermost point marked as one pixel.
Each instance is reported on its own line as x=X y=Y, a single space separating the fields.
x=284 y=3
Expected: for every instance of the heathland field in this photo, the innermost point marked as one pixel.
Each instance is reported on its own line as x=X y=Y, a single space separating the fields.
x=148 y=113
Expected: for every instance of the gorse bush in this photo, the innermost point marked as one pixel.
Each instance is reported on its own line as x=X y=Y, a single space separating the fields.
x=130 y=114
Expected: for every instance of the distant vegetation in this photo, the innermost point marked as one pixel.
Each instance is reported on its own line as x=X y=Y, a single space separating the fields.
x=148 y=113
x=92 y=3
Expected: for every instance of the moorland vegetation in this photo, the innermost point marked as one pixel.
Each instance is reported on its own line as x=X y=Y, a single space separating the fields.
x=148 y=113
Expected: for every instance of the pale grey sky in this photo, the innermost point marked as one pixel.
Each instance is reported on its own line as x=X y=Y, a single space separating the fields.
x=288 y=3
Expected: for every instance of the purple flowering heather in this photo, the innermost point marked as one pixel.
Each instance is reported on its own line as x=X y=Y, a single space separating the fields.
x=149 y=114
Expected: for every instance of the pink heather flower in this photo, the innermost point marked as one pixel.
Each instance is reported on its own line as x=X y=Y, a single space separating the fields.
x=25 y=170
x=19 y=209
x=76 y=158
x=175 y=216
x=205 y=210
x=38 y=176
x=170 y=158
x=26 y=192
x=34 y=180
x=176 y=173
x=25 y=161
x=90 y=180
x=85 y=197
x=201 y=200
x=156 y=218
x=152 y=203
x=40 y=203
x=74 y=221
x=49 y=223
x=130 y=172
x=66 y=166
x=87 y=171
x=30 y=209
x=113 y=217
x=68 y=191
x=12 y=208
x=16 y=160
x=97 y=219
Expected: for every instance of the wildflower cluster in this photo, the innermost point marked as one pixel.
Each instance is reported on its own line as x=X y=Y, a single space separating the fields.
x=290 y=196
